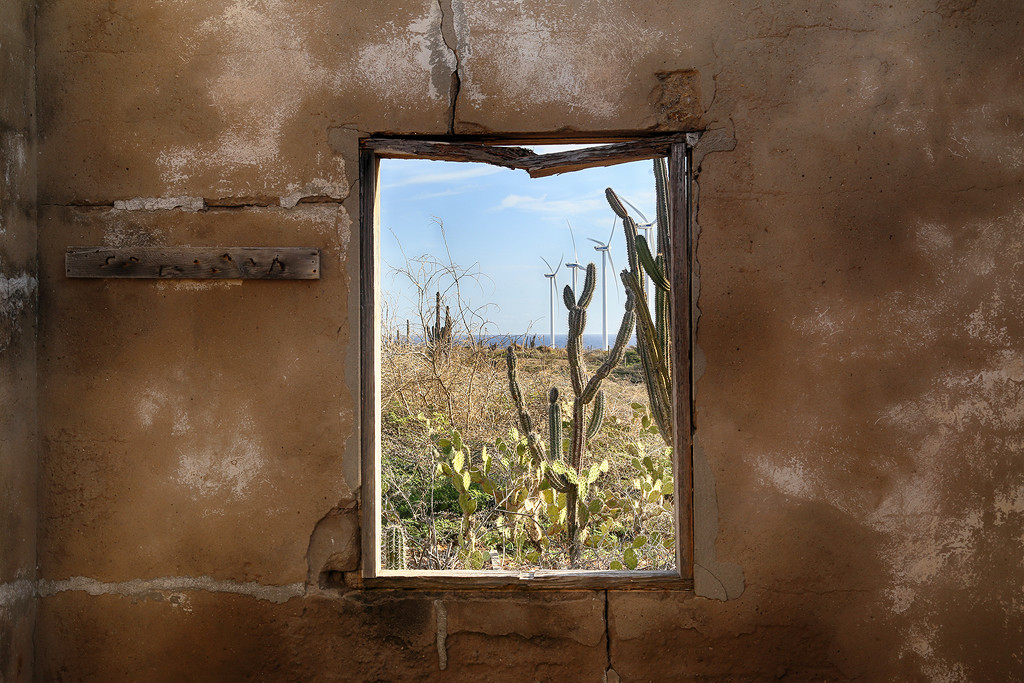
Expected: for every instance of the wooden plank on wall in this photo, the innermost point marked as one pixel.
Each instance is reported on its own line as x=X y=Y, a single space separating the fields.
x=201 y=263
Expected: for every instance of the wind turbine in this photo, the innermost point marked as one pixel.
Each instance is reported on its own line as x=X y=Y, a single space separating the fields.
x=606 y=256
x=646 y=226
x=551 y=277
x=575 y=265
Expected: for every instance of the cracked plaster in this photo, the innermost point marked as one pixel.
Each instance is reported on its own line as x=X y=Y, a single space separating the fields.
x=859 y=370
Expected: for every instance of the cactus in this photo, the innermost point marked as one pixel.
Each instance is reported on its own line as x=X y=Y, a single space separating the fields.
x=395 y=551
x=565 y=472
x=654 y=335
x=439 y=337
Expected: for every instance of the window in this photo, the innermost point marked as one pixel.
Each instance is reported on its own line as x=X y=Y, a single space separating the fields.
x=519 y=512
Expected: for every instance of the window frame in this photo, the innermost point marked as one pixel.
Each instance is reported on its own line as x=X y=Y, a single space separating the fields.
x=677 y=148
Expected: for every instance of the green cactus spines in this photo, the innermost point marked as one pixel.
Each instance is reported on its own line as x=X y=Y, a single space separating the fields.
x=654 y=334
x=554 y=425
x=655 y=267
x=574 y=348
x=661 y=192
x=589 y=285
x=569 y=478
x=596 y=416
x=615 y=203
x=629 y=227
x=616 y=353
x=395 y=550
x=517 y=397
x=568 y=297
x=585 y=391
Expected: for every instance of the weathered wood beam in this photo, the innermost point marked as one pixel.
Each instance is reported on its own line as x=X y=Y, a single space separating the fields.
x=537 y=165
x=395 y=148
x=197 y=263
x=605 y=155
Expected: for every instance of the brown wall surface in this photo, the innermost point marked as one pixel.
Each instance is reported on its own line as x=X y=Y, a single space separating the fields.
x=18 y=295
x=858 y=408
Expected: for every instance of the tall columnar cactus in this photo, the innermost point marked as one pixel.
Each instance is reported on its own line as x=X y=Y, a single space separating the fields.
x=395 y=550
x=565 y=471
x=439 y=337
x=654 y=334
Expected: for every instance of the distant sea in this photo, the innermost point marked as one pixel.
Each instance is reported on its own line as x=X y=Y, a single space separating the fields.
x=590 y=341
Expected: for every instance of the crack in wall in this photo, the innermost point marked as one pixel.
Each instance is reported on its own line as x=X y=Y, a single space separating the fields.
x=451 y=41
x=609 y=672
x=143 y=588
x=712 y=578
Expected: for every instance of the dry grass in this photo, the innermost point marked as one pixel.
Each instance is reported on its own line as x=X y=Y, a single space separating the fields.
x=467 y=389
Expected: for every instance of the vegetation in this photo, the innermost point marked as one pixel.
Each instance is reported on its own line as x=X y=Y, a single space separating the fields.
x=654 y=334
x=469 y=482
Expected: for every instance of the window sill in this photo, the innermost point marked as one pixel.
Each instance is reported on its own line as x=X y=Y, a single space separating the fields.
x=535 y=580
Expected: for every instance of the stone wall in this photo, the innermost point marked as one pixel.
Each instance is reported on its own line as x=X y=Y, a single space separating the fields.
x=18 y=296
x=860 y=492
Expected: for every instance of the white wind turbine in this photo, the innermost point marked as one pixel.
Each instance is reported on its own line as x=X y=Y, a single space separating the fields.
x=606 y=257
x=646 y=226
x=575 y=265
x=551 y=278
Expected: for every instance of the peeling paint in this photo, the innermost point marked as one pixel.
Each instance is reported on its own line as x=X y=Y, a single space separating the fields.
x=195 y=285
x=538 y=59
x=230 y=464
x=1009 y=502
x=144 y=588
x=318 y=187
x=16 y=591
x=17 y=294
x=261 y=75
x=219 y=452
x=160 y=204
x=408 y=63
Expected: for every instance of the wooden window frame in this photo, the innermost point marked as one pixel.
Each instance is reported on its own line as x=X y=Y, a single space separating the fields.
x=677 y=148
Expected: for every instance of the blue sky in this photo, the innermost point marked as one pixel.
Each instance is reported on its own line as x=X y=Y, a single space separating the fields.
x=499 y=223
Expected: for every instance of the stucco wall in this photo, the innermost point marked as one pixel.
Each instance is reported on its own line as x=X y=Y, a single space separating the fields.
x=18 y=290
x=858 y=409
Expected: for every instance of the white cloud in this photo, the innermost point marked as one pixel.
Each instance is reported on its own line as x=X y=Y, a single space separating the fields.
x=559 y=207
x=444 y=176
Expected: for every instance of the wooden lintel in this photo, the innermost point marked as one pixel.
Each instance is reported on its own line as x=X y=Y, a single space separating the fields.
x=195 y=263
x=604 y=155
x=537 y=165
x=397 y=148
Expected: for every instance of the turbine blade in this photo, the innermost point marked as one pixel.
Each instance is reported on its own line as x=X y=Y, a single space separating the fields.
x=615 y=281
x=633 y=206
x=597 y=241
x=546 y=263
x=611 y=234
x=574 y=257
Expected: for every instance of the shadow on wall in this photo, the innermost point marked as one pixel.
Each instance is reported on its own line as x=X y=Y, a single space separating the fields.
x=860 y=273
